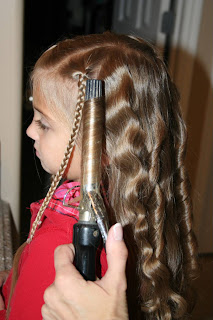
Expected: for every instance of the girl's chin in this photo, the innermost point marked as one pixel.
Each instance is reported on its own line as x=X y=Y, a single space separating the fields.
x=47 y=169
x=44 y=167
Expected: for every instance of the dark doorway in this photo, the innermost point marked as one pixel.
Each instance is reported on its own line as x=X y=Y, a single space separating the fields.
x=45 y=23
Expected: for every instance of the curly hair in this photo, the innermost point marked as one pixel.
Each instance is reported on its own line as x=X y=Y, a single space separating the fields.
x=145 y=177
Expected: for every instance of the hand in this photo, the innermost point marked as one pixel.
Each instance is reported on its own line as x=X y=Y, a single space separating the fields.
x=70 y=297
x=3 y=278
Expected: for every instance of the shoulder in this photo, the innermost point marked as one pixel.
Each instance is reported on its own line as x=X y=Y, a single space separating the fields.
x=49 y=237
x=39 y=254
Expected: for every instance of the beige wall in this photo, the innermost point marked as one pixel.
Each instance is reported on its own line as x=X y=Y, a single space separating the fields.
x=192 y=68
x=11 y=33
x=200 y=119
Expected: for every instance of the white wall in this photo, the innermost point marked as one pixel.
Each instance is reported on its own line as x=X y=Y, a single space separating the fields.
x=11 y=35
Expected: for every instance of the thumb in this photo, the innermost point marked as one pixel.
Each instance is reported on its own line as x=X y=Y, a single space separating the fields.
x=63 y=256
x=117 y=255
x=65 y=270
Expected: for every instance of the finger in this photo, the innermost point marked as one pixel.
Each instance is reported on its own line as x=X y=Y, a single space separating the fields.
x=66 y=273
x=55 y=306
x=62 y=312
x=63 y=256
x=51 y=296
x=116 y=258
x=46 y=313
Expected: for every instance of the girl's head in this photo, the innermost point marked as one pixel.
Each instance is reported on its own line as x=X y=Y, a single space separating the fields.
x=145 y=141
x=51 y=134
x=138 y=95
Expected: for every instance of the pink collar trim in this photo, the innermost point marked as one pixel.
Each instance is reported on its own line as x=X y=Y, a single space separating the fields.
x=72 y=189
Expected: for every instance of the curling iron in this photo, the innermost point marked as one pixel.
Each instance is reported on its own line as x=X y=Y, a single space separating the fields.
x=93 y=221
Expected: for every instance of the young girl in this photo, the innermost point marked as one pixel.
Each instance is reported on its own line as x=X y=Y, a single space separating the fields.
x=143 y=173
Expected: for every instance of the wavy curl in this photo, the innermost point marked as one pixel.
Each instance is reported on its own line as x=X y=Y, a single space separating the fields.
x=146 y=179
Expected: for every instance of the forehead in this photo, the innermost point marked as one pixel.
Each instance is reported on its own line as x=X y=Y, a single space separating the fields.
x=47 y=108
x=41 y=106
x=55 y=98
x=39 y=100
x=57 y=119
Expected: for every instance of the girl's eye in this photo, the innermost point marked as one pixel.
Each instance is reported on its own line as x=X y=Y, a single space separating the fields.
x=41 y=125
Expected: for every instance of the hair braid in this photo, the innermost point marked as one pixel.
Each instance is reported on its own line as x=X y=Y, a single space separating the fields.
x=71 y=143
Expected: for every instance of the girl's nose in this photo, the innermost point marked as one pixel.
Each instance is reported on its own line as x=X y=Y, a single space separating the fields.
x=32 y=132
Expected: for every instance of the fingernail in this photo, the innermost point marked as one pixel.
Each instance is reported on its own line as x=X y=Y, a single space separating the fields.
x=118 y=232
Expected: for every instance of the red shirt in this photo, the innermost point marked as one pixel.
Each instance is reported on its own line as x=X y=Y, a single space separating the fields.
x=36 y=266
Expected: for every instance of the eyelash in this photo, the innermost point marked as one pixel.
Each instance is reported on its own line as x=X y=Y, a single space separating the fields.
x=41 y=125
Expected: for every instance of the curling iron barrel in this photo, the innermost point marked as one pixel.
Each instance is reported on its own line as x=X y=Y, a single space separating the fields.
x=93 y=124
x=92 y=214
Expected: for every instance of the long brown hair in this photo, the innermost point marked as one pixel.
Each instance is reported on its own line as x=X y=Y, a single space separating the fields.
x=145 y=144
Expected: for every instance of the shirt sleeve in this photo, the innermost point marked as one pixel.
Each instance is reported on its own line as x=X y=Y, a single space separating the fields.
x=36 y=274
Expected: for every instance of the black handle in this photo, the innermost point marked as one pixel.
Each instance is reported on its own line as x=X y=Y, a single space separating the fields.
x=86 y=239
